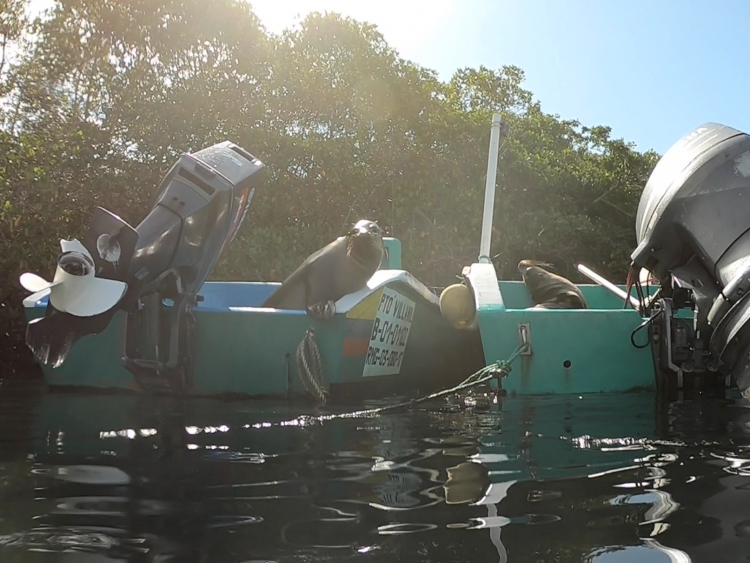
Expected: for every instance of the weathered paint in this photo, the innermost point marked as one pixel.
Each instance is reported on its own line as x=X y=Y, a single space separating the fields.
x=572 y=351
x=392 y=258
x=250 y=350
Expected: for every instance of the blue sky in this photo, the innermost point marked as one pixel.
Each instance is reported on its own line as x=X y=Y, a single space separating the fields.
x=652 y=70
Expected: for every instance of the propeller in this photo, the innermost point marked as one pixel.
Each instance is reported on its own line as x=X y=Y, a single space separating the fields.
x=75 y=288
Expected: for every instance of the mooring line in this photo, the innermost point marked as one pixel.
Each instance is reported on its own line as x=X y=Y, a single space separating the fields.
x=498 y=370
x=310 y=367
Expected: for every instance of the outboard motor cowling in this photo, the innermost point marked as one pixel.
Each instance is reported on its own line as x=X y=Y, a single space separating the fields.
x=194 y=215
x=693 y=234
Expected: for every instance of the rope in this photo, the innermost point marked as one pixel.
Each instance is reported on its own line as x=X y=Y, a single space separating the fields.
x=310 y=367
x=497 y=370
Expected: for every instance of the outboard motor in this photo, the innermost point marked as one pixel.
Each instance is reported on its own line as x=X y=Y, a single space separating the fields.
x=693 y=233
x=195 y=214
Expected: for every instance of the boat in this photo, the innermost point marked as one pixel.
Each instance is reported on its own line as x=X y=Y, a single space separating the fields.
x=688 y=333
x=134 y=310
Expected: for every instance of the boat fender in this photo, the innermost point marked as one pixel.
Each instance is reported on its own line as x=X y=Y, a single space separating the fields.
x=457 y=306
x=467 y=483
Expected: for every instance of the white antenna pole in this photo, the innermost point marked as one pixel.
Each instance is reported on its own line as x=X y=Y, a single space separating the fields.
x=489 y=190
x=605 y=283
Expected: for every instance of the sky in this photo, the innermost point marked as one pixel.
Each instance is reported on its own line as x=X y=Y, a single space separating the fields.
x=651 y=70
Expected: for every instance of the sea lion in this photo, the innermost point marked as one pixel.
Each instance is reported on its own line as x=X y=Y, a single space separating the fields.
x=548 y=290
x=339 y=268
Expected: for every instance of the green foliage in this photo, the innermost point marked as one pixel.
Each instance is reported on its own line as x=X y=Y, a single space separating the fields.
x=106 y=95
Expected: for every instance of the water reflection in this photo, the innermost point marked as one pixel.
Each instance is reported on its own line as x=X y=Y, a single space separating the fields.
x=602 y=479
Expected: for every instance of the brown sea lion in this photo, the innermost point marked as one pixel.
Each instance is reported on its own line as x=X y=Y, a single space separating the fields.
x=548 y=290
x=339 y=268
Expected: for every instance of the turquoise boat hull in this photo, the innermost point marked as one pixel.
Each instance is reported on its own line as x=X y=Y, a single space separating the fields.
x=389 y=338
x=572 y=351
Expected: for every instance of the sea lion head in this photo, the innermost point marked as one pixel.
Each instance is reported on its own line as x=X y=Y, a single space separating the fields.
x=365 y=227
x=526 y=267
x=534 y=275
x=365 y=244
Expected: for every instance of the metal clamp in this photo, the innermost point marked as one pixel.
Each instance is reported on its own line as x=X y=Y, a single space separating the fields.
x=524 y=337
x=668 y=313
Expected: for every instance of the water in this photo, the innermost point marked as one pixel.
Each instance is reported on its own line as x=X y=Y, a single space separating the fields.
x=606 y=479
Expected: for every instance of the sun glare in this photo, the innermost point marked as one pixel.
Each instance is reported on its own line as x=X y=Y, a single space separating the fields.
x=405 y=24
x=410 y=26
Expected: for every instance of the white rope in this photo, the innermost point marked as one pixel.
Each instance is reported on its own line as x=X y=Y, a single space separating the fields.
x=310 y=367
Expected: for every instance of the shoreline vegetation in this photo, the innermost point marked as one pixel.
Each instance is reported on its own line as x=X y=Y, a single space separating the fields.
x=100 y=97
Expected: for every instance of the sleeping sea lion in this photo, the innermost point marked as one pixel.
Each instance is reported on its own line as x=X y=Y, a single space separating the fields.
x=339 y=268
x=548 y=290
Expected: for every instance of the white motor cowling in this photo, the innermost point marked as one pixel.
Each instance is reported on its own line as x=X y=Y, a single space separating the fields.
x=693 y=234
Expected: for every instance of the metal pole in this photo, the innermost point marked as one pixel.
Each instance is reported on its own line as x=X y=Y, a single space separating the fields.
x=489 y=190
x=605 y=283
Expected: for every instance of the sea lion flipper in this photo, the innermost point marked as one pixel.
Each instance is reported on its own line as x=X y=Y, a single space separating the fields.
x=323 y=310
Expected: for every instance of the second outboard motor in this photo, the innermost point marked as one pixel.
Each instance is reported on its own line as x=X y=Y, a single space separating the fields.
x=693 y=233
x=194 y=215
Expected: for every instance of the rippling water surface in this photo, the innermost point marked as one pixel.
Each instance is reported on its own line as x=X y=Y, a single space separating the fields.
x=605 y=478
